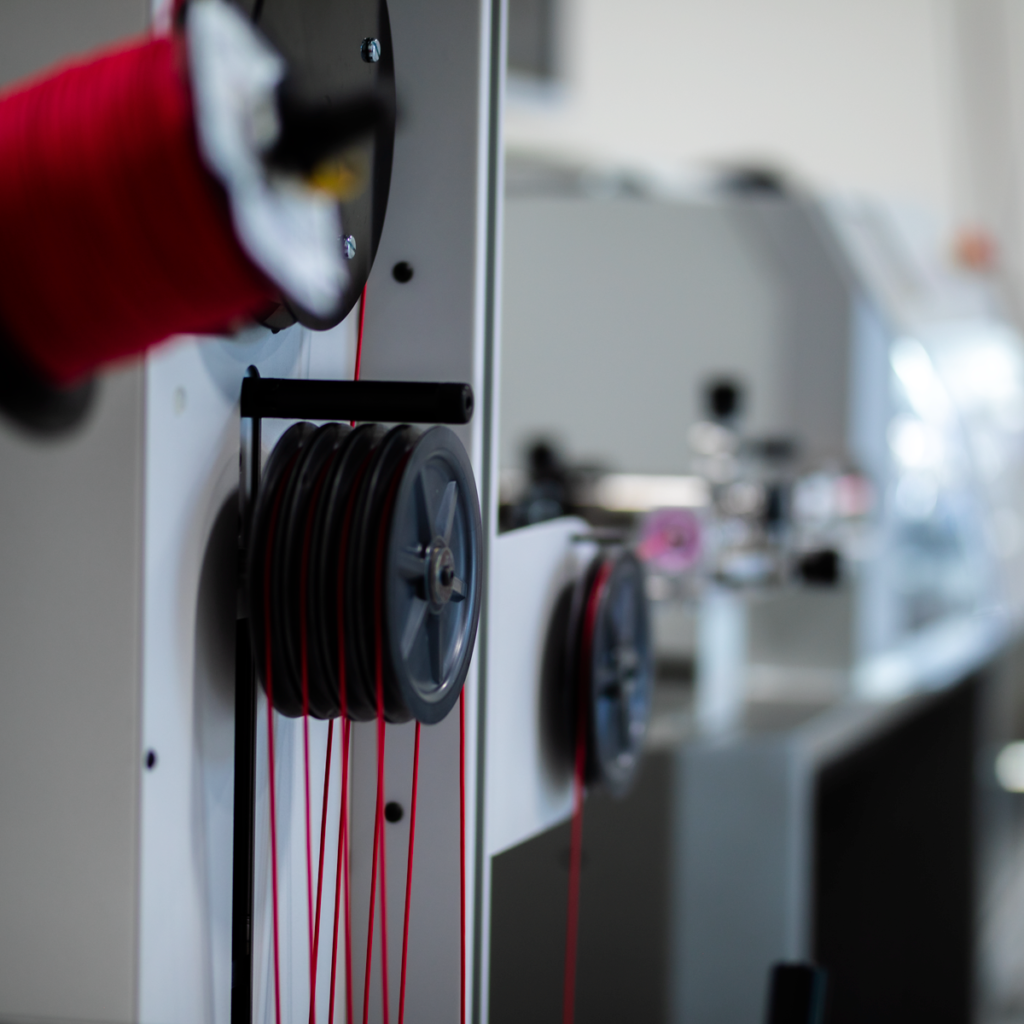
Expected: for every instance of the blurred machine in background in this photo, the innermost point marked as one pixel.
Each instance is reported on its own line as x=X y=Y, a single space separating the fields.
x=810 y=417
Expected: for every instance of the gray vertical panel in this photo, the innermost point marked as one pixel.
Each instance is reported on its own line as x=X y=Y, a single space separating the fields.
x=70 y=522
x=737 y=904
x=70 y=526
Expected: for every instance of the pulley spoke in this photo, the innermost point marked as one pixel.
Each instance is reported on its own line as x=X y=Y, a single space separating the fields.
x=424 y=513
x=446 y=513
x=417 y=611
x=624 y=622
x=436 y=654
x=411 y=564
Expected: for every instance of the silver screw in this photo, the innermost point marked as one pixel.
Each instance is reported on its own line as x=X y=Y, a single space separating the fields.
x=348 y=247
x=370 y=50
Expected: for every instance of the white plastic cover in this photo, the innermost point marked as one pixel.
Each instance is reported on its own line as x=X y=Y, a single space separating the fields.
x=289 y=230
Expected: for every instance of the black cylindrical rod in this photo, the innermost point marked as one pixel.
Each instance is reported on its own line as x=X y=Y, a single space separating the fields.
x=381 y=401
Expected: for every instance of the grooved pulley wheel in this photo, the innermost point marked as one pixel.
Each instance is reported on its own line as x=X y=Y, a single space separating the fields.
x=364 y=572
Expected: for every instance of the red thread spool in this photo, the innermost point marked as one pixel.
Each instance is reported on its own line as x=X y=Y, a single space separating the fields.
x=115 y=235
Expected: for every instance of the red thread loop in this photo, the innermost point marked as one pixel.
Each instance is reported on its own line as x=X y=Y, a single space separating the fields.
x=272 y=773
x=343 y=876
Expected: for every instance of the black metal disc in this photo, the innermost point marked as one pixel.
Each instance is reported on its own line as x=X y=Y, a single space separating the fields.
x=293 y=546
x=432 y=574
x=620 y=672
x=323 y=43
x=333 y=526
x=367 y=580
x=276 y=474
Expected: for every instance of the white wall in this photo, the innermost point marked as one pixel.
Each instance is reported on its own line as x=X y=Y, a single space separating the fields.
x=850 y=93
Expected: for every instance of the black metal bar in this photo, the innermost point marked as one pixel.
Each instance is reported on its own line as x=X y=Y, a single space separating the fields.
x=244 y=856
x=245 y=820
x=382 y=401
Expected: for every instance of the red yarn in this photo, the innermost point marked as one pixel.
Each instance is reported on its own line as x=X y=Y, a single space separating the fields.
x=114 y=235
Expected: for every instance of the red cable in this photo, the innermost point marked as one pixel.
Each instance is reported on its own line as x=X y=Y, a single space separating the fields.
x=359 y=339
x=379 y=851
x=462 y=854
x=578 y=779
x=270 y=748
x=342 y=869
x=339 y=884
x=320 y=868
x=408 y=872
x=106 y=207
x=343 y=698
x=384 y=984
x=314 y=927
x=373 y=872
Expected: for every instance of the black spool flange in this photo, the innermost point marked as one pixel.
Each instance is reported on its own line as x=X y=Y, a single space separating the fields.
x=609 y=666
x=323 y=44
x=330 y=569
x=434 y=551
x=388 y=526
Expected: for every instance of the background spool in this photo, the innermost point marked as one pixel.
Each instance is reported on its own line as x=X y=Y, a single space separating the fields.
x=608 y=664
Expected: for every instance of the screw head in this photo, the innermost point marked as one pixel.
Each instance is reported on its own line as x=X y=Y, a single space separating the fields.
x=440 y=574
x=394 y=811
x=369 y=50
x=348 y=246
x=402 y=272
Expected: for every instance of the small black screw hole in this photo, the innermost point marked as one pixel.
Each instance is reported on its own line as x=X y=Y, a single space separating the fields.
x=393 y=811
x=151 y=759
x=402 y=272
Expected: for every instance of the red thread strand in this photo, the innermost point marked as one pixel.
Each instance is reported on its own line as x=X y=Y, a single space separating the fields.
x=359 y=338
x=309 y=842
x=342 y=883
x=343 y=698
x=462 y=855
x=103 y=190
x=578 y=780
x=270 y=752
x=314 y=926
x=320 y=868
x=379 y=850
x=373 y=873
x=408 y=872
